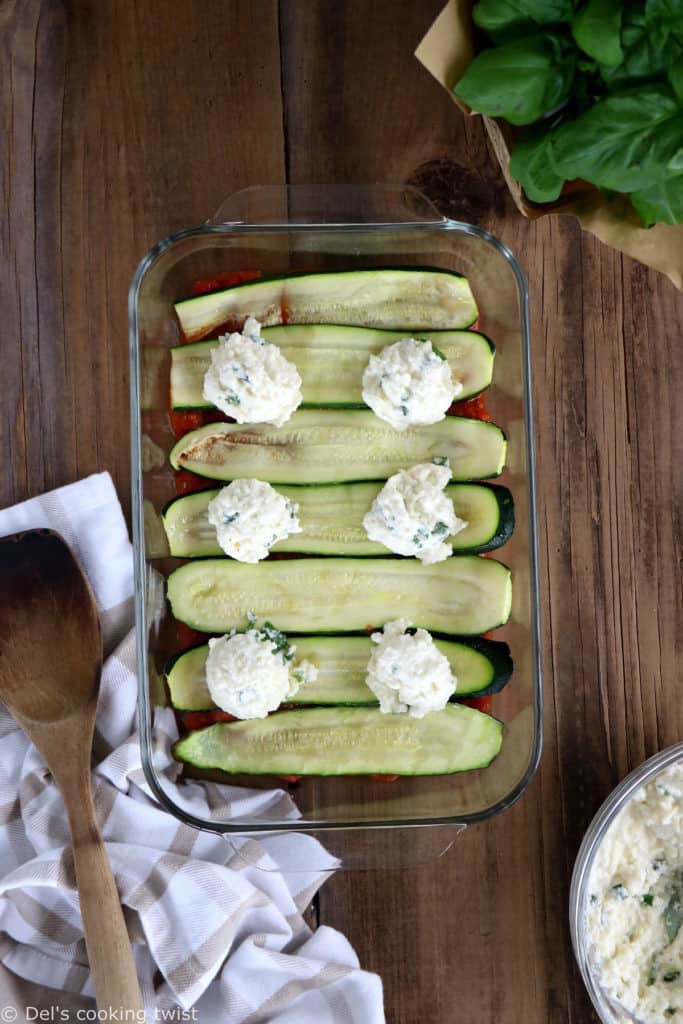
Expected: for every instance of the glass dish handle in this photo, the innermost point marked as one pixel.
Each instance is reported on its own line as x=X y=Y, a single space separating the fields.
x=323 y=205
x=350 y=849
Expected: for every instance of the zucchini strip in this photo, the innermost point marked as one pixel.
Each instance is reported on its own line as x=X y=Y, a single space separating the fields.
x=462 y=596
x=481 y=667
x=402 y=298
x=347 y=741
x=336 y=446
x=331 y=518
x=331 y=360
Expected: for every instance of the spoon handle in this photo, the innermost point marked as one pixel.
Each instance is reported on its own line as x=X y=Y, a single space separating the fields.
x=106 y=938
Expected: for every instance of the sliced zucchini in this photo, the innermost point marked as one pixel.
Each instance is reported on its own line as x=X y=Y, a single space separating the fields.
x=481 y=667
x=465 y=596
x=331 y=518
x=331 y=360
x=402 y=298
x=347 y=741
x=335 y=446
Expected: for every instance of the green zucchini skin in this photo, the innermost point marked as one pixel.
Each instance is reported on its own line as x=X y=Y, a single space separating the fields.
x=331 y=359
x=482 y=667
x=347 y=741
x=397 y=298
x=463 y=596
x=338 y=446
x=331 y=517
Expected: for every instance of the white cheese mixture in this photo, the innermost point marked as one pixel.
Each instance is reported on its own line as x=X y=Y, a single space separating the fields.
x=250 y=379
x=407 y=672
x=250 y=674
x=635 y=903
x=411 y=515
x=250 y=516
x=408 y=383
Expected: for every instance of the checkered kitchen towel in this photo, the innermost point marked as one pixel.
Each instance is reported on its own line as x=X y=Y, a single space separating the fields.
x=216 y=938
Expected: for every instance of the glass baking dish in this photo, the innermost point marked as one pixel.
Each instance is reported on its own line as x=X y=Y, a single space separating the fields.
x=278 y=230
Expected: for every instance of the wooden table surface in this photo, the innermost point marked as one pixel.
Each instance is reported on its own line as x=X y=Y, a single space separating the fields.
x=123 y=121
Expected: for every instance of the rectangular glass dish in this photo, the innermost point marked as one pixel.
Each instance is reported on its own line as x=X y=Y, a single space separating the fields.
x=277 y=231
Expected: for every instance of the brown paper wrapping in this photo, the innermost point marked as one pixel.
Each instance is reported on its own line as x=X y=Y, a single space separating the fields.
x=445 y=52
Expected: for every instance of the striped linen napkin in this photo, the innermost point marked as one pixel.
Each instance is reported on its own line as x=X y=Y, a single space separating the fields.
x=215 y=937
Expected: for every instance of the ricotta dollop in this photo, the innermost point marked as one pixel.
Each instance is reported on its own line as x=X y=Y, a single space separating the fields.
x=635 y=903
x=250 y=516
x=407 y=672
x=250 y=379
x=411 y=515
x=408 y=384
x=250 y=674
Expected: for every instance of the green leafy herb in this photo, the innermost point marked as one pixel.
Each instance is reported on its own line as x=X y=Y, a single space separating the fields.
x=626 y=142
x=620 y=891
x=420 y=536
x=597 y=30
x=671 y=976
x=675 y=76
x=282 y=645
x=521 y=81
x=532 y=165
x=650 y=48
x=673 y=914
x=232 y=398
x=497 y=16
x=661 y=202
x=271 y=633
x=404 y=409
x=600 y=85
x=670 y=1011
x=439 y=529
x=230 y=517
x=440 y=460
x=648 y=899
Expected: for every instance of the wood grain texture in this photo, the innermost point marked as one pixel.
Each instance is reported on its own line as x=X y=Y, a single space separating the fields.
x=135 y=121
x=125 y=122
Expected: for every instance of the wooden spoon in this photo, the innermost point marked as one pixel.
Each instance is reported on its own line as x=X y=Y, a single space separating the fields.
x=50 y=663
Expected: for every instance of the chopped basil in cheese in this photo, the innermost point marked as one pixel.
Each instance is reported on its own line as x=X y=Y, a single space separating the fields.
x=249 y=517
x=635 y=909
x=411 y=515
x=250 y=379
x=250 y=674
x=408 y=383
x=407 y=672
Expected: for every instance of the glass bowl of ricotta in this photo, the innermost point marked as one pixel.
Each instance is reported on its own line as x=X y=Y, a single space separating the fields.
x=277 y=231
x=626 y=898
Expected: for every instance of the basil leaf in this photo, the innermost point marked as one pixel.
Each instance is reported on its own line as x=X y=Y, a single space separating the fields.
x=597 y=30
x=676 y=79
x=626 y=142
x=650 y=47
x=496 y=16
x=532 y=165
x=520 y=81
x=673 y=915
x=661 y=203
x=665 y=10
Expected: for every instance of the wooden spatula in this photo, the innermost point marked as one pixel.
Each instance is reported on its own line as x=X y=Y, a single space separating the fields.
x=50 y=662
